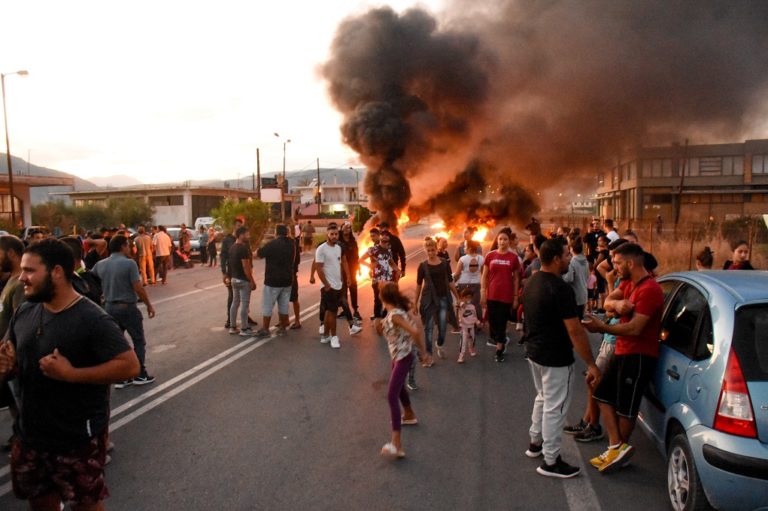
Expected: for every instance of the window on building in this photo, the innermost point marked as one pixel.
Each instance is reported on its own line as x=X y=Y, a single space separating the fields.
x=758 y=164
x=600 y=180
x=693 y=167
x=656 y=168
x=711 y=166
x=633 y=170
x=167 y=200
x=647 y=169
x=666 y=167
x=738 y=165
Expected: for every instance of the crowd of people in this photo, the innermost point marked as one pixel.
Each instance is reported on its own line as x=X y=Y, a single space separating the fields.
x=67 y=303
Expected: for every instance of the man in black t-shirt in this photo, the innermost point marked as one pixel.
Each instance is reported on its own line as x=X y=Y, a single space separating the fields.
x=240 y=266
x=226 y=244
x=62 y=354
x=549 y=344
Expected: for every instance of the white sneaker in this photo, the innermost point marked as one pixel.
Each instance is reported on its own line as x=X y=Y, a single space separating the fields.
x=321 y=331
x=324 y=339
x=519 y=327
x=355 y=329
x=335 y=342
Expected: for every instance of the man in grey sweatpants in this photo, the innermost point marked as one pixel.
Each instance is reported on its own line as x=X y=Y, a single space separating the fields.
x=549 y=344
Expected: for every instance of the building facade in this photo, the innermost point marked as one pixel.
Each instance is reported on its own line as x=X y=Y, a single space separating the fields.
x=173 y=205
x=696 y=182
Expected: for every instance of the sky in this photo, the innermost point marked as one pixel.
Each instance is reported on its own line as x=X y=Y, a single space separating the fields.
x=166 y=90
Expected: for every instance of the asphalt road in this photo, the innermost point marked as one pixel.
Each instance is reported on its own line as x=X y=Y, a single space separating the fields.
x=289 y=423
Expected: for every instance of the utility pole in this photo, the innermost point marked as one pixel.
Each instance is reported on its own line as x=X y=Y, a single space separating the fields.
x=680 y=189
x=258 y=174
x=319 y=200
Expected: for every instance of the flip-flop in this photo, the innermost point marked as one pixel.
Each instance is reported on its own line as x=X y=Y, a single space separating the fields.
x=389 y=449
x=409 y=422
x=295 y=326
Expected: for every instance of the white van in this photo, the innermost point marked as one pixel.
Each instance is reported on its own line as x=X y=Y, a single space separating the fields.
x=205 y=221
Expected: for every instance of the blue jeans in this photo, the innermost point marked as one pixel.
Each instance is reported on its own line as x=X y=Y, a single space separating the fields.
x=435 y=312
x=129 y=318
x=241 y=297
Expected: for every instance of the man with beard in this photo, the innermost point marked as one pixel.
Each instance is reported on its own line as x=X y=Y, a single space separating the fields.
x=553 y=331
x=63 y=352
x=121 y=283
x=11 y=249
x=398 y=250
x=638 y=302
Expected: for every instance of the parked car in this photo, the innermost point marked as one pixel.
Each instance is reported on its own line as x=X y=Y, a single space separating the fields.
x=26 y=232
x=707 y=407
x=173 y=232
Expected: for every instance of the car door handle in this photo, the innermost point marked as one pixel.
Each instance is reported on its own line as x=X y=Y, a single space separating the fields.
x=673 y=374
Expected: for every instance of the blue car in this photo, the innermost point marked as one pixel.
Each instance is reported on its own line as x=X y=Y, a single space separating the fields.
x=707 y=407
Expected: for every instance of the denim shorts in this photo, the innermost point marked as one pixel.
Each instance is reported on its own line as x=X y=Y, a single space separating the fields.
x=270 y=295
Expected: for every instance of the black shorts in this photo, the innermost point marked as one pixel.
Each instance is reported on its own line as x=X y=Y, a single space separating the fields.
x=294 y=289
x=624 y=383
x=602 y=285
x=329 y=300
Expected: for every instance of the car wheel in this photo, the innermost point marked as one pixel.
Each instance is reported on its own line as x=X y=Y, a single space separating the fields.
x=683 y=484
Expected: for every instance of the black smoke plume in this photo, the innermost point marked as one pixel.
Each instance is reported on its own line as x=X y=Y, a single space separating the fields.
x=543 y=93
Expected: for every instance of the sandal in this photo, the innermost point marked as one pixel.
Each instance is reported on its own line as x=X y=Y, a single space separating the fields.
x=389 y=449
x=295 y=326
x=409 y=422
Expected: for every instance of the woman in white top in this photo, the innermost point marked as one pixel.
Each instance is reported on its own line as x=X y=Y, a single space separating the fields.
x=402 y=330
x=469 y=271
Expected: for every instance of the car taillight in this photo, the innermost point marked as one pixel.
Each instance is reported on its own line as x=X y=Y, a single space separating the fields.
x=734 y=408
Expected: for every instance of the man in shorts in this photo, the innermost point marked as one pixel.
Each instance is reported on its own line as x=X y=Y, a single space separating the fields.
x=638 y=301
x=278 y=277
x=62 y=354
x=332 y=271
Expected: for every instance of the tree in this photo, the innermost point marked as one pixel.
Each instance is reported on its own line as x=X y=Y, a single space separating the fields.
x=253 y=212
x=53 y=214
x=91 y=216
x=131 y=211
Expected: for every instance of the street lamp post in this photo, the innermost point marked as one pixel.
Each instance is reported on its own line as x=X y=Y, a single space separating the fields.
x=22 y=72
x=282 y=186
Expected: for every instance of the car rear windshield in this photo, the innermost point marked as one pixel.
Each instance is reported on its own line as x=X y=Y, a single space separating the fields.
x=751 y=342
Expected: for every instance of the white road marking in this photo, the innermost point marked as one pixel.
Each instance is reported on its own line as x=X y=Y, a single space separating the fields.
x=236 y=353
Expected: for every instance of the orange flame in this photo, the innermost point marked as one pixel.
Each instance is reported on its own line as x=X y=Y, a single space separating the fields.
x=480 y=234
x=403 y=219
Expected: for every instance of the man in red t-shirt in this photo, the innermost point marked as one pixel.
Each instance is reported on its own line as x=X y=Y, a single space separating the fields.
x=638 y=302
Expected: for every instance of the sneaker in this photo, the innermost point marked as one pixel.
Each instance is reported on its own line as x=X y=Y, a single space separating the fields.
x=107 y=460
x=246 y=332
x=440 y=352
x=598 y=461
x=472 y=352
x=233 y=331
x=227 y=325
x=616 y=458
x=519 y=327
x=534 y=450
x=321 y=330
x=411 y=385
x=559 y=469
x=261 y=333
x=335 y=342
x=123 y=384
x=355 y=329
x=576 y=428
x=324 y=339
x=490 y=343
x=590 y=434
x=280 y=331
x=144 y=379
x=357 y=316
x=461 y=359
x=499 y=357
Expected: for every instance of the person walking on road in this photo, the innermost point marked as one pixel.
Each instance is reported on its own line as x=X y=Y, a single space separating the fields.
x=639 y=302
x=63 y=352
x=226 y=245
x=121 y=285
x=332 y=271
x=499 y=285
x=553 y=331
x=146 y=256
x=163 y=249
x=351 y=253
x=402 y=330
x=240 y=266
x=278 y=277
x=434 y=287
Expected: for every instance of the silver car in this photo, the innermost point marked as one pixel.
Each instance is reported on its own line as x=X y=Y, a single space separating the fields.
x=707 y=407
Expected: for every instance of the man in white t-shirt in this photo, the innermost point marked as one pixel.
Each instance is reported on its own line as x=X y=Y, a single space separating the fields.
x=332 y=270
x=612 y=234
